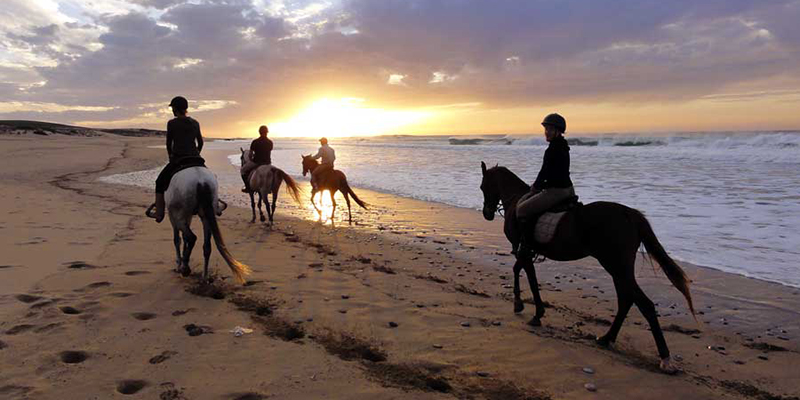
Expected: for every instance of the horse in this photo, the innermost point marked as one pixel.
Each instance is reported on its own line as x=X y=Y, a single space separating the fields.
x=266 y=179
x=194 y=191
x=333 y=181
x=610 y=232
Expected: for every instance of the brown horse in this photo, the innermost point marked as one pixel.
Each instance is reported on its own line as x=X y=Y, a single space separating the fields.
x=610 y=232
x=332 y=181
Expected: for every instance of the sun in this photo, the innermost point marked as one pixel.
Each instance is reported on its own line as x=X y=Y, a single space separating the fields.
x=345 y=117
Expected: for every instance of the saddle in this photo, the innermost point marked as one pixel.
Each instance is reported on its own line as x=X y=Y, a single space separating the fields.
x=545 y=224
x=189 y=162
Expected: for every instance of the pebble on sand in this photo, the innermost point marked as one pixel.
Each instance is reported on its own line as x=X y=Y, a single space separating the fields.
x=590 y=387
x=393 y=324
x=437 y=346
x=465 y=324
x=588 y=370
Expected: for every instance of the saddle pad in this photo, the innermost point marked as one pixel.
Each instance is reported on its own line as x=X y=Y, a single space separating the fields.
x=546 y=227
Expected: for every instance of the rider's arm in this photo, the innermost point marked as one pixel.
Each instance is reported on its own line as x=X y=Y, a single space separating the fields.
x=318 y=155
x=199 y=138
x=170 y=139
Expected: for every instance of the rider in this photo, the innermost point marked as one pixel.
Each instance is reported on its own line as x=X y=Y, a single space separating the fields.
x=552 y=185
x=184 y=143
x=328 y=157
x=261 y=149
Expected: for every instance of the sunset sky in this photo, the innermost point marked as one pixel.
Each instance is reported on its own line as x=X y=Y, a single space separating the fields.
x=365 y=67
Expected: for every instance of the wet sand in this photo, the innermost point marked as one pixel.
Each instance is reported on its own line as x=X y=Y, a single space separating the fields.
x=413 y=301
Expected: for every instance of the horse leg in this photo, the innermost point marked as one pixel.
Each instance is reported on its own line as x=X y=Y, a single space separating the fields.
x=333 y=210
x=314 y=193
x=349 y=213
x=189 y=238
x=518 y=304
x=253 y=206
x=624 y=303
x=176 y=238
x=268 y=207
x=206 y=246
x=648 y=309
x=260 y=213
x=274 y=204
x=530 y=271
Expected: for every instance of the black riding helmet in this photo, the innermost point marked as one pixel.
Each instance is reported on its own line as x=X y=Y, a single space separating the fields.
x=556 y=120
x=179 y=103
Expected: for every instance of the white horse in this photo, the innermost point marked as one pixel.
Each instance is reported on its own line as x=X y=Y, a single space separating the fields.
x=194 y=191
x=266 y=179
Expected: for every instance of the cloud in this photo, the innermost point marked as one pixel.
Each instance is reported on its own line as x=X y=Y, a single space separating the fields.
x=264 y=59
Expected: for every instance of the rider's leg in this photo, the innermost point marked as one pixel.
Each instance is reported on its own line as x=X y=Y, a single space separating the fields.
x=162 y=183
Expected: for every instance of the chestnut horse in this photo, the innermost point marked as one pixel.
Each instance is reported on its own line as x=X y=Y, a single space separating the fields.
x=332 y=181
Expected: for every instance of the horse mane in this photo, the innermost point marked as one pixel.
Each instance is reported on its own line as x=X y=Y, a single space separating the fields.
x=508 y=178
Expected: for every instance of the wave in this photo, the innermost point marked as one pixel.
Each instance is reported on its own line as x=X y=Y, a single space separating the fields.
x=475 y=141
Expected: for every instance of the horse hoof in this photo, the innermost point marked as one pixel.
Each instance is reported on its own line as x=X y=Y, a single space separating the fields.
x=535 y=321
x=186 y=271
x=518 y=307
x=263 y=219
x=603 y=341
x=667 y=367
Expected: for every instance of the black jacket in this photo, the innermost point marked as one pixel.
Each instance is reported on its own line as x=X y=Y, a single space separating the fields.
x=262 y=149
x=183 y=138
x=555 y=167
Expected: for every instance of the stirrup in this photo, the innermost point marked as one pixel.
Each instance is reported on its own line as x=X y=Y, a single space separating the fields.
x=150 y=213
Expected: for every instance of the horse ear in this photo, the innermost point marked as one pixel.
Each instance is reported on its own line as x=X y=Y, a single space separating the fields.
x=483 y=168
x=241 y=149
x=496 y=165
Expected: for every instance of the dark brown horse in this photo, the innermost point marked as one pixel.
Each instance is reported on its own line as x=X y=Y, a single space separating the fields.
x=609 y=232
x=332 y=181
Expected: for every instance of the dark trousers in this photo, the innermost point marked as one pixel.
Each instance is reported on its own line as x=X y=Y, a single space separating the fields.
x=162 y=182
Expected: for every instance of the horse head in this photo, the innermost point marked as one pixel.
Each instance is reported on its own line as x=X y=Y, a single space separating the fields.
x=491 y=195
x=309 y=163
x=246 y=156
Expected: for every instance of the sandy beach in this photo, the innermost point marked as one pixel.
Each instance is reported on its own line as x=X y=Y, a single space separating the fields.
x=412 y=302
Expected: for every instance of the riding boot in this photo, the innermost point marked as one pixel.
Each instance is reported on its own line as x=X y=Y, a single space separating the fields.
x=160 y=206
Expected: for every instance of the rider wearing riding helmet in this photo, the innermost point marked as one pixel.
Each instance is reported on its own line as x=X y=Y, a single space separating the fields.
x=553 y=184
x=184 y=143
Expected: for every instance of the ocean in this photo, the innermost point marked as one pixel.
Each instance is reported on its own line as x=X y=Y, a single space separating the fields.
x=729 y=201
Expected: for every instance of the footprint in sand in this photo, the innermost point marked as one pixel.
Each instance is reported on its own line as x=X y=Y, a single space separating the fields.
x=143 y=316
x=28 y=298
x=48 y=327
x=3 y=345
x=94 y=285
x=19 y=329
x=131 y=386
x=70 y=310
x=164 y=356
x=79 y=265
x=9 y=266
x=248 y=396
x=121 y=294
x=73 y=357
x=136 y=273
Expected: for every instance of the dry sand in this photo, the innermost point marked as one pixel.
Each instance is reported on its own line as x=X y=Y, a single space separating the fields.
x=90 y=307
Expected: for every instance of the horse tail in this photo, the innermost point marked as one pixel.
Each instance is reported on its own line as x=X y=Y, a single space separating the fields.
x=206 y=198
x=654 y=249
x=294 y=191
x=350 y=191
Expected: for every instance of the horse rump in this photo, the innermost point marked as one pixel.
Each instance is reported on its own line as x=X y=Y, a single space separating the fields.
x=206 y=200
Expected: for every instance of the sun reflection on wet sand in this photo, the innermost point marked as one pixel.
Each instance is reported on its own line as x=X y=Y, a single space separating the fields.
x=323 y=201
